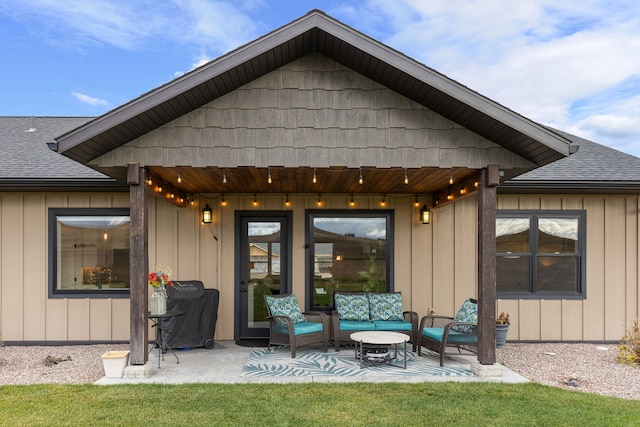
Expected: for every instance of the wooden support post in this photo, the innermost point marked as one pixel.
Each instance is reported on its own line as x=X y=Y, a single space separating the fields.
x=487 y=207
x=138 y=263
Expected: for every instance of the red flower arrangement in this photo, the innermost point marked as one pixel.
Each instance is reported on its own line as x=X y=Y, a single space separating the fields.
x=160 y=278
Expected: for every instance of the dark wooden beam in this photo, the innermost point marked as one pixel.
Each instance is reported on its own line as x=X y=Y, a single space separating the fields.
x=138 y=263
x=487 y=265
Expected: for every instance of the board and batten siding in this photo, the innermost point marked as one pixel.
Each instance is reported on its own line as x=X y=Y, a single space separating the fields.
x=612 y=274
x=435 y=265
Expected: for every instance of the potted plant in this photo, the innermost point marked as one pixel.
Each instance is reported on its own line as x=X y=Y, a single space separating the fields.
x=502 y=327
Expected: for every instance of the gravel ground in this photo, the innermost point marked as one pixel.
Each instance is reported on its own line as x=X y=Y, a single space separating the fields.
x=591 y=368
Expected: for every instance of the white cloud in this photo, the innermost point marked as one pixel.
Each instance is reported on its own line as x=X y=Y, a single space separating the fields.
x=93 y=101
x=216 y=26
x=547 y=60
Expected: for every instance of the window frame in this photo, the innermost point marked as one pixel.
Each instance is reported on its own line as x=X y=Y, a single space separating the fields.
x=533 y=254
x=52 y=244
x=310 y=214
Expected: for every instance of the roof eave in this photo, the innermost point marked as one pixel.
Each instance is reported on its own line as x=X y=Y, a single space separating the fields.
x=584 y=187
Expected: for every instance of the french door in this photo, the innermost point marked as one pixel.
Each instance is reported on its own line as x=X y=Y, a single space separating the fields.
x=263 y=267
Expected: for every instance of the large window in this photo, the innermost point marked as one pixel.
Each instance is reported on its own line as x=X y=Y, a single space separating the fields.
x=88 y=252
x=348 y=251
x=540 y=254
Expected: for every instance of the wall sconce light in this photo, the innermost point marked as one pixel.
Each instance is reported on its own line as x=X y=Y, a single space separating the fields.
x=207 y=214
x=425 y=214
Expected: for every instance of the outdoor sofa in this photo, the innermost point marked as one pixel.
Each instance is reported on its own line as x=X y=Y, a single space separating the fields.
x=371 y=311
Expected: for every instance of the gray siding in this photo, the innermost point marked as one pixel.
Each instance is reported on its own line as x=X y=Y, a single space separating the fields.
x=312 y=112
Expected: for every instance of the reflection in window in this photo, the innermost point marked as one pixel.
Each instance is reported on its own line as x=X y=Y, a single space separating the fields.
x=264 y=268
x=540 y=253
x=350 y=252
x=89 y=251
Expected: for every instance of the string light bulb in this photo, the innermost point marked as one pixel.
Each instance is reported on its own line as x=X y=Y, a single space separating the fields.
x=223 y=201
x=416 y=203
x=383 y=202
x=406 y=178
x=224 y=177
x=269 y=180
x=319 y=200
x=315 y=179
x=351 y=202
x=105 y=236
x=360 y=181
x=451 y=177
x=255 y=200
x=287 y=203
x=179 y=177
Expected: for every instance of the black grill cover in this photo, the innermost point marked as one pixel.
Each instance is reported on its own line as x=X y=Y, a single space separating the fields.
x=197 y=325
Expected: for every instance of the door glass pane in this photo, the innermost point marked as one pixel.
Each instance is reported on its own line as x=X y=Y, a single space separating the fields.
x=350 y=254
x=558 y=235
x=512 y=273
x=264 y=269
x=558 y=273
x=512 y=235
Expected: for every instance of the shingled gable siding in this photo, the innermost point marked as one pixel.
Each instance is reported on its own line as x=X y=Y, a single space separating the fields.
x=312 y=112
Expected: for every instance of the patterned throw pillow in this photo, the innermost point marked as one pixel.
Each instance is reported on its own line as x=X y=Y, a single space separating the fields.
x=285 y=306
x=352 y=307
x=468 y=313
x=385 y=306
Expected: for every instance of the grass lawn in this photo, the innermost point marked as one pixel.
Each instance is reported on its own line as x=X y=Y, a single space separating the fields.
x=366 y=404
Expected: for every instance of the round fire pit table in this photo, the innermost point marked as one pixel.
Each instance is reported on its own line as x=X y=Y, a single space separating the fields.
x=376 y=347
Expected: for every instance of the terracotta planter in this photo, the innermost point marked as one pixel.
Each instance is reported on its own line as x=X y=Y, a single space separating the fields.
x=501 y=335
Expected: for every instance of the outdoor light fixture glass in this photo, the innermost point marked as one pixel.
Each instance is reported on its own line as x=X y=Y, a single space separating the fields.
x=207 y=214
x=425 y=214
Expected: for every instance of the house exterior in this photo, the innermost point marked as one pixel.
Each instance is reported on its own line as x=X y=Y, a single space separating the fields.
x=316 y=148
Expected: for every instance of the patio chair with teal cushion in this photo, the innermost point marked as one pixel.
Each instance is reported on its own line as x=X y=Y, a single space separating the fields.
x=288 y=325
x=439 y=332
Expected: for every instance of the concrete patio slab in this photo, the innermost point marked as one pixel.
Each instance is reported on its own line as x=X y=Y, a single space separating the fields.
x=225 y=363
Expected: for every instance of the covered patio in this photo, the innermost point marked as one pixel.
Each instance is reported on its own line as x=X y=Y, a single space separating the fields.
x=316 y=111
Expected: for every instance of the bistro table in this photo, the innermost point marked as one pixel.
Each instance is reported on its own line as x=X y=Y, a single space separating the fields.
x=157 y=320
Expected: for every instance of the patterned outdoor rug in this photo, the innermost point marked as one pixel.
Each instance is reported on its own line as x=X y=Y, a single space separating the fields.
x=278 y=362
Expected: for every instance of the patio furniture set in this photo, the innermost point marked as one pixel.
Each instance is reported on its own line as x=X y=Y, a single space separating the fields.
x=373 y=321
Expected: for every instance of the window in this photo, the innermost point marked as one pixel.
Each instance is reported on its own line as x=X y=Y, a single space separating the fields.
x=88 y=252
x=348 y=251
x=540 y=254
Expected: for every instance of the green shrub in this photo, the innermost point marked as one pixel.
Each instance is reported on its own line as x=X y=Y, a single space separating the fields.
x=629 y=347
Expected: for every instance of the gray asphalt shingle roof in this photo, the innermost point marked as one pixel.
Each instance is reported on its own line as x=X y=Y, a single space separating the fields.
x=24 y=151
x=592 y=162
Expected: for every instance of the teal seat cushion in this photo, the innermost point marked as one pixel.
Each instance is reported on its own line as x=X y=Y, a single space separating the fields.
x=285 y=306
x=348 y=325
x=468 y=313
x=301 y=328
x=385 y=306
x=352 y=307
x=392 y=325
x=455 y=337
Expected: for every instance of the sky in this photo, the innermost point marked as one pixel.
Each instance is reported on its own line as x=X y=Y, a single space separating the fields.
x=570 y=64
